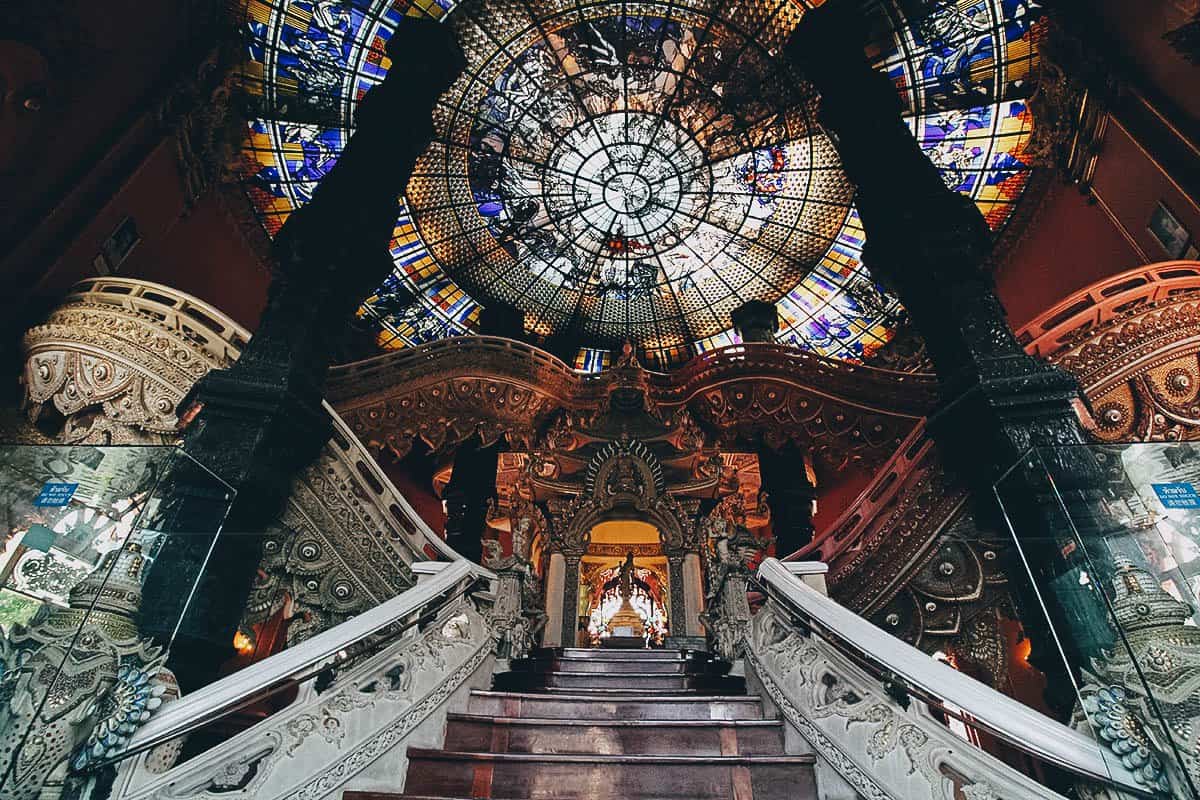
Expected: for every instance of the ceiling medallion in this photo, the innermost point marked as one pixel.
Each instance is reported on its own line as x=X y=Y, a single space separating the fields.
x=627 y=176
x=961 y=71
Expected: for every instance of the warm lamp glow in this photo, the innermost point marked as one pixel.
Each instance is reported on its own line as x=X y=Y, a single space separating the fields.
x=242 y=644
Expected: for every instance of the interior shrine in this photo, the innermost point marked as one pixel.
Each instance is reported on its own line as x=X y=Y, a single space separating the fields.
x=550 y=399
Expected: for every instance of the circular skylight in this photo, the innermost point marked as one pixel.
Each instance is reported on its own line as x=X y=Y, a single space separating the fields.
x=619 y=177
x=635 y=171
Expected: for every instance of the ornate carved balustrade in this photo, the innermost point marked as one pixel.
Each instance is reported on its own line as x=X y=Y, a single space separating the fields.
x=1132 y=342
x=863 y=700
x=117 y=358
x=365 y=692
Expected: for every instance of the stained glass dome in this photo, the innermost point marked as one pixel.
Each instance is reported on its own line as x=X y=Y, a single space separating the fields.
x=620 y=171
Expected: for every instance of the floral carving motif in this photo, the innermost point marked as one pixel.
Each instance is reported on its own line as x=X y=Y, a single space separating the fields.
x=128 y=393
x=882 y=748
x=449 y=412
x=447 y=391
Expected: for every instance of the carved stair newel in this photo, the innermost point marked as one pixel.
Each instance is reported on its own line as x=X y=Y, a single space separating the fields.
x=932 y=251
x=678 y=622
x=731 y=549
x=260 y=421
x=570 y=600
x=519 y=613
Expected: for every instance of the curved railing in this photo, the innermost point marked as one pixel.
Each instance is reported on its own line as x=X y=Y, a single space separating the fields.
x=216 y=333
x=1131 y=341
x=367 y=685
x=873 y=389
x=849 y=685
x=489 y=354
x=847 y=531
x=1104 y=301
x=906 y=394
x=343 y=502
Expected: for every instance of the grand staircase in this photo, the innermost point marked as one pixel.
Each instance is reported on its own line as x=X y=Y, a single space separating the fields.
x=610 y=725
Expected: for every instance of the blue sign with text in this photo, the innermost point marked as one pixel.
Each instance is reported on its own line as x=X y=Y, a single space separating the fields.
x=55 y=494
x=1177 y=495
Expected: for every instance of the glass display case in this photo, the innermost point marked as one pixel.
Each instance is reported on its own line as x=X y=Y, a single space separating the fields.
x=83 y=527
x=1110 y=538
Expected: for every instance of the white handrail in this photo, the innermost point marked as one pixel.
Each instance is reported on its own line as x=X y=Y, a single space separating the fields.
x=998 y=714
x=229 y=693
x=421 y=532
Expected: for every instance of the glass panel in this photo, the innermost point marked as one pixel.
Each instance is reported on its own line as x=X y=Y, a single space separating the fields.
x=515 y=203
x=1109 y=535
x=83 y=527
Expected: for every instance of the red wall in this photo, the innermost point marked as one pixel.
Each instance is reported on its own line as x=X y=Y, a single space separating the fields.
x=1138 y=29
x=418 y=491
x=1074 y=241
x=1069 y=244
x=836 y=493
x=1131 y=180
x=110 y=64
x=200 y=251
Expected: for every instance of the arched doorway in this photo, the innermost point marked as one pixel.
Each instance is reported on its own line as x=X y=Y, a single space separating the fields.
x=599 y=597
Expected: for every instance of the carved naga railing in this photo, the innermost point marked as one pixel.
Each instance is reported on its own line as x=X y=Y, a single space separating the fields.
x=117 y=357
x=870 y=705
x=364 y=690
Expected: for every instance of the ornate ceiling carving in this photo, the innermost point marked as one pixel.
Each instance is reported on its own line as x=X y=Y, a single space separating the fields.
x=445 y=392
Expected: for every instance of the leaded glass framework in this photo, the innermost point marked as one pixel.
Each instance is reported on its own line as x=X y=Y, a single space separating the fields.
x=635 y=170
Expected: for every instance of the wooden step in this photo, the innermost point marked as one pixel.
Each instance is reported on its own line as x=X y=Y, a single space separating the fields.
x=448 y=773
x=612 y=705
x=616 y=654
x=625 y=681
x=681 y=665
x=701 y=737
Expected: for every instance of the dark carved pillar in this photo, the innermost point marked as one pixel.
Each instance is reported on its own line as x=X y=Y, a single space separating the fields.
x=930 y=245
x=790 y=496
x=501 y=319
x=570 y=600
x=755 y=321
x=261 y=420
x=472 y=484
x=678 y=620
x=784 y=479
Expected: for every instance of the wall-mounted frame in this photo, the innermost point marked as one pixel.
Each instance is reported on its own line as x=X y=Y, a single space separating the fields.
x=1169 y=231
x=117 y=247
